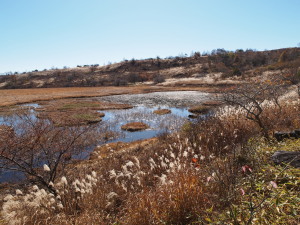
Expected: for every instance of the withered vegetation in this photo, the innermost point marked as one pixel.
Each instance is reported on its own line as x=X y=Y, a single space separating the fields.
x=212 y=171
x=76 y=111
x=162 y=111
x=134 y=126
x=215 y=170
x=232 y=65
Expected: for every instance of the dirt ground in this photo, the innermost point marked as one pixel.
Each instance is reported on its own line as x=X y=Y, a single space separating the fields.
x=20 y=96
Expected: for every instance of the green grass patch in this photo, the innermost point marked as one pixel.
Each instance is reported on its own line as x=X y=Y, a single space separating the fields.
x=271 y=193
x=78 y=105
x=89 y=117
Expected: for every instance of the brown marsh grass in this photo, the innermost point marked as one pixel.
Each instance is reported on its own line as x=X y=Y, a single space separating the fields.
x=213 y=171
x=162 y=111
x=134 y=126
x=19 y=96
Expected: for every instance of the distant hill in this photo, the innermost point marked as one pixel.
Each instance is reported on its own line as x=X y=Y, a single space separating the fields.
x=219 y=65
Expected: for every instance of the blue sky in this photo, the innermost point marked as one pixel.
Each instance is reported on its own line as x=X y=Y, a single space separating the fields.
x=39 y=34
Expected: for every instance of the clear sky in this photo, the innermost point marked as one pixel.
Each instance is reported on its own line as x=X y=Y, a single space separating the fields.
x=39 y=34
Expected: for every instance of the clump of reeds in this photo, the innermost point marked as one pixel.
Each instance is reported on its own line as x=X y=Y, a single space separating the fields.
x=134 y=126
x=211 y=171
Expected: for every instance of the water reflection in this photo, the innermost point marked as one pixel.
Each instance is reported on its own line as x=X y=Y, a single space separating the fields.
x=144 y=104
x=158 y=123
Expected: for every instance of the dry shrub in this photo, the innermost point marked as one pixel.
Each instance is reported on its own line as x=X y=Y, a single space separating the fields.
x=284 y=118
x=230 y=130
x=180 y=201
x=73 y=201
x=220 y=135
x=186 y=178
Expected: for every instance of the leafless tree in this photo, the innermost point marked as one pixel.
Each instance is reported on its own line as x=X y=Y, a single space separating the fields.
x=292 y=77
x=41 y=150
x=250 y=97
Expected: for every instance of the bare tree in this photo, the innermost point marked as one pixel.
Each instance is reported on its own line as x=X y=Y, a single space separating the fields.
x=41 y=150
x=250 y=97
x=292 y=77
x=274 y=89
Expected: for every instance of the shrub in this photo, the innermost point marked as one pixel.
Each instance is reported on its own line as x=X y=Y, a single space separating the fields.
x=158 y=79
x=214 y=171
x=133 y=78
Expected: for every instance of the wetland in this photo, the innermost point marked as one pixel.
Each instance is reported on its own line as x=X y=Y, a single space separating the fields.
x=160 y=112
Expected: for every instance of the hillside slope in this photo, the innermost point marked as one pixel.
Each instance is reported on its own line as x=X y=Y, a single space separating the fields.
x=218 y=67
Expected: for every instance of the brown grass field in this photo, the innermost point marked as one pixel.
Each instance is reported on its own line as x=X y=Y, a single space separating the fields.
x=19 y=96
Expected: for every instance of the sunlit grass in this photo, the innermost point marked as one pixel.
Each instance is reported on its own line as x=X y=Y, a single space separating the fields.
x=78 y=105
x=214 y=171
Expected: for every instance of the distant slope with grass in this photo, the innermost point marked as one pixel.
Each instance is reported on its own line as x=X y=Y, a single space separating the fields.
x=219 y=67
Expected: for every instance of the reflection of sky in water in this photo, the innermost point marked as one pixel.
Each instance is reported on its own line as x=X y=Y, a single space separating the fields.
x=144 y=104
x=13 y=118
x=176 y=99
x=144 y=114
x=34 y=105
x=158 y=123
x=11 y=176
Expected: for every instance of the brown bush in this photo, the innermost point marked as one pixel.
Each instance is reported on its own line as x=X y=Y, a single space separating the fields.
x=188 y=177
x=181 y=202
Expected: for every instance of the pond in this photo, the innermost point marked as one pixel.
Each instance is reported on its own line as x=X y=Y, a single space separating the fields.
x=176 y=99
x=144 y=105
x=157 y=123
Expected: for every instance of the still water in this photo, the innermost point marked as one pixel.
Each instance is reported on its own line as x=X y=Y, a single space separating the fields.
x=144 y=105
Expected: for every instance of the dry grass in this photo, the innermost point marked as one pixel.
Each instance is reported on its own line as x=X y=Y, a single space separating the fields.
x=73 y=105
x=64 y=112
x=134 y=126
x=197 y=176
x=104 y=151
x=200 y=109
x=181 y=202
x=72 y=118
x=212 y=103
x=18 y=96
x=162 y=111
